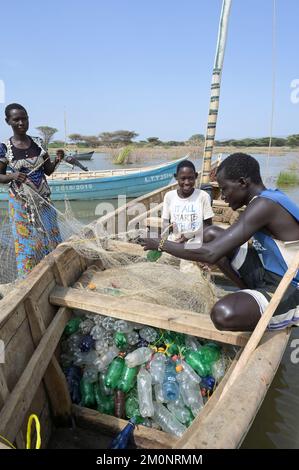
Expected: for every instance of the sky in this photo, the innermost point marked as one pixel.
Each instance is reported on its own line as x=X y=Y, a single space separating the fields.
x=146 y=65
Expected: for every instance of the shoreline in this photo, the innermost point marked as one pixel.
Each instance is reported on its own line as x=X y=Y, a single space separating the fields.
x=146 y=154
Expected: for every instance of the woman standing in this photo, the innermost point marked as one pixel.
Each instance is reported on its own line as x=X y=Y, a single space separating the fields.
x=34 y=226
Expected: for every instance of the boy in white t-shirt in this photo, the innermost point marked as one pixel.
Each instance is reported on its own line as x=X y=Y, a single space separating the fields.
x=187 y=208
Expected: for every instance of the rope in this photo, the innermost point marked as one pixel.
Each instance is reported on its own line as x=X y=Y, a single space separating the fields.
x=273 y=86
x=7 y=442
x=34 y=418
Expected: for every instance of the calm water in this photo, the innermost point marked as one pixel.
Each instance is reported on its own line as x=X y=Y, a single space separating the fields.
x=276 y=425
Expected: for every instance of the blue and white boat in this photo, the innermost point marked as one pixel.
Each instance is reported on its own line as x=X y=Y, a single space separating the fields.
x=107 y=184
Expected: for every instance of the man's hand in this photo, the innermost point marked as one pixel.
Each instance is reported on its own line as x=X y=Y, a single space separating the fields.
x=19 y=177
x=59 y=155
x=149 y=243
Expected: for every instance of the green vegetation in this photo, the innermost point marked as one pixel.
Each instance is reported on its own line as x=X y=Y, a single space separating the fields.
x=123 y=155
x=285 y=178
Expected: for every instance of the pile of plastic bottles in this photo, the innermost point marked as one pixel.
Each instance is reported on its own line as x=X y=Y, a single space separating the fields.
x=155 y=377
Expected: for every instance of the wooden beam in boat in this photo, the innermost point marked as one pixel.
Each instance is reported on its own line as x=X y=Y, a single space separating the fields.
x=155 y=315
x=145 y=438
x=18 y=402
x=54 y=378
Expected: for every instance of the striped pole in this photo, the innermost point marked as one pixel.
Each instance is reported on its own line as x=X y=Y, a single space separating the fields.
x=215 y=92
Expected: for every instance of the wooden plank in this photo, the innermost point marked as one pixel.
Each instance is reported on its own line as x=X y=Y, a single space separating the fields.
x=145 y=438
x=67 y=265
x=19 y=400
x=182 y=321
x=4 y=392
x=54 y=378
x=264 y=321
x=229 y=420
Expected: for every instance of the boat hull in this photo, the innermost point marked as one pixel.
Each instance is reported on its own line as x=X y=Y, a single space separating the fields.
x=83 y=156
x=131 y=185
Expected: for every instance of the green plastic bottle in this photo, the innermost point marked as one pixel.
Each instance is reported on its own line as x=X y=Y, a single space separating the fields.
x=87 y=394
x=153 y=255
x=127 y=379
x=72 y=326
x=120 y=341
x=132 y=407
x=198 y=362
x=105 y=403
x=114 y=372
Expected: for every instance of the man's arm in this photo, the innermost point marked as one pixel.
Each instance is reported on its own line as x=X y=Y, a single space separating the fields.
x=254 y=218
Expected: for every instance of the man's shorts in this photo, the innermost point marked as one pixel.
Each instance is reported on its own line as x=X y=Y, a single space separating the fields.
x=262 y=285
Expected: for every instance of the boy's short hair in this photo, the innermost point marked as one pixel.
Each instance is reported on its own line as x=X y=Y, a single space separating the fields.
x=184 y=164
x=240 y=165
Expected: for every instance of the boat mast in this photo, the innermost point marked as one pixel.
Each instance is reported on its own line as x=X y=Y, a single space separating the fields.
x=215 y=93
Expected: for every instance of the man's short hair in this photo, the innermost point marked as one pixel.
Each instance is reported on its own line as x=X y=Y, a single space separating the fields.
x=238 y=165
x=185 y=164
x=12 y=106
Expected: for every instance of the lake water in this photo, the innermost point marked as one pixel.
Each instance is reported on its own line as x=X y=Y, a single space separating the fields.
x=276 y=425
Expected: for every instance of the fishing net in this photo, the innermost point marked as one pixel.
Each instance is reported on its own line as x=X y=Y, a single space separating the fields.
x=122 y=272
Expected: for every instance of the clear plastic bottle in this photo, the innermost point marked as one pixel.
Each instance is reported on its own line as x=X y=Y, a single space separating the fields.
x=180 y=411
x=97 y=332
x=167 y=421
x=86 y=326
x=149 y=334
x=138 y=357
x=144 y=389
x=103 y=361
x=159 y=393
x=191 y=396
x=157 y=368
x=90 y=374
x=85 y=358
x=184 y=370
x=133 y=338
x=170 y=386
x=192 y=343
x=108 y=323
x=122 y=326
x=218 y=369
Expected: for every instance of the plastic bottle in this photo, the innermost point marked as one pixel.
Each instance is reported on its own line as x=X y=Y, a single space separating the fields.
x=97 y=332
x=105 y=403
x=157 y=367
x=192 y=343
x=149 y=334
x=85 y=358
x=218 y=369
x=200 y=362
x=103 y=361
x=86 y=326
x=119 y=404
x=180 y=411
x=184 y=370
x=87 y=394
x=191 y=396
x=120 y=340
x=87 y=343
x=133 y=338
x=101 y=346
x=144 y=388
x=105 y=391
x=132 y=406
x=159 y=393
x=90 y=374
x=170 y=386
x=127 y=379
x=73 y=378
x=153 y=255
x=138 y=357
x=167 y=421
x=114 y=372
x=72 y=326
x=122 y=326
x=108 y=323
x=121 y=441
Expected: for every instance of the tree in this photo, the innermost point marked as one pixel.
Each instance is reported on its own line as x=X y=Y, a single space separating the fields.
x=196 y=139
x=76 y=138
x=154 y=140
x=116 y=138
x=91 y=140
x=46 y=133
x=293 y=140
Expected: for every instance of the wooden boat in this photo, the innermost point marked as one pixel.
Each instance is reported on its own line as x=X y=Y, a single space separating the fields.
x=107 y=184
x=83 y=156
x=32 y=320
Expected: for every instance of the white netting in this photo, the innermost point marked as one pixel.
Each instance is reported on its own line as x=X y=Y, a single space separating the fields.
x=121 y=273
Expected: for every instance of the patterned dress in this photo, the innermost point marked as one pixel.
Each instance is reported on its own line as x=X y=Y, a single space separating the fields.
x=34 y=226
